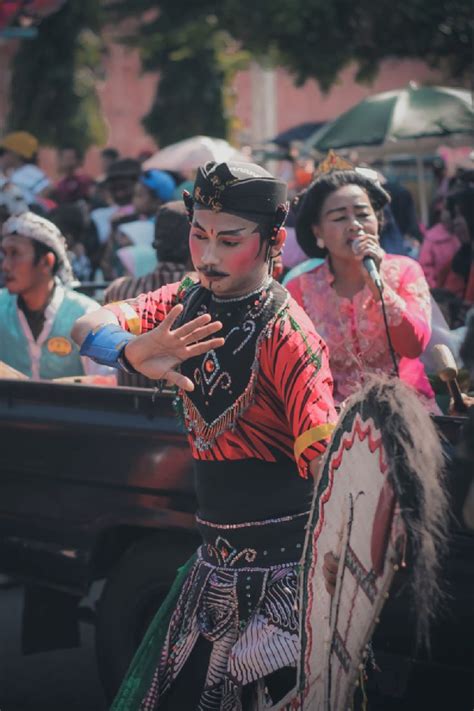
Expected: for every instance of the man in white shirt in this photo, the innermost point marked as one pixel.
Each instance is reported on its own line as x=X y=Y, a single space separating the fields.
x=17 y=162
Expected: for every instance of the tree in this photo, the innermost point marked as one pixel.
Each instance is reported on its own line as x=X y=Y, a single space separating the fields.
x=198 y=45
x=317 y=39
x=54 y=75
x=196 y=60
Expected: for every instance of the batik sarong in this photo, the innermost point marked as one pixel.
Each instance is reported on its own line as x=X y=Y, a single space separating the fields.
x=241 y=596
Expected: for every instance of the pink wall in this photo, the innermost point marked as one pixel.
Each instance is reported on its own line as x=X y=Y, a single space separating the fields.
x=125 y=95
x=297 y=105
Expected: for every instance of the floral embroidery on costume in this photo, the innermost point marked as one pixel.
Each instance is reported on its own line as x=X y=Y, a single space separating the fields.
x=225 y=392
x=354 y=331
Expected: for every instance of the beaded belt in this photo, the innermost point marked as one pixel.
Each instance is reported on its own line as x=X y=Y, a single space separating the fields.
x=253 y=545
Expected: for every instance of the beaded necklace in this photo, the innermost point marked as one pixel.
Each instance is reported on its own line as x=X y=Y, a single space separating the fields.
x=225 y=378
x=236 y=299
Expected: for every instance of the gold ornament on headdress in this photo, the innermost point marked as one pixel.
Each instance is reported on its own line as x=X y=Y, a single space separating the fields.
x=331 y=163
x=212 y=197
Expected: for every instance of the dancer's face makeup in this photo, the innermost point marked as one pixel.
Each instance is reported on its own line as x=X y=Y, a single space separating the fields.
x=227 y=252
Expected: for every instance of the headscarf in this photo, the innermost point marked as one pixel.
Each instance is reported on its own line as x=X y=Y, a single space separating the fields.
x=37 y=228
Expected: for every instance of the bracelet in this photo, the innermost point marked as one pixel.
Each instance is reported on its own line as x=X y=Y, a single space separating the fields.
x=125 y=364
x=106 y=345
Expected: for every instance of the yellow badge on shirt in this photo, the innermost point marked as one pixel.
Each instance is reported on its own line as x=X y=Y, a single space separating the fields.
x=59 y=346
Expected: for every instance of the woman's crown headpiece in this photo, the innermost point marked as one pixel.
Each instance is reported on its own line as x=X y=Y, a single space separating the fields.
x=331 y=163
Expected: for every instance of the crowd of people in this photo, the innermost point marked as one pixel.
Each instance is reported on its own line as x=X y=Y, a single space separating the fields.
x=194 y=297
x=126 y=232
x=59 y=237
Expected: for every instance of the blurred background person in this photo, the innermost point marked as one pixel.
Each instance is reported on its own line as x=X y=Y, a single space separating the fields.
x=402 y=206
x=99 y=195
x=460 y=278
x=120 y=183
x=441 y=186
x=12 y=202
x=18 y=155
x=171 y=244
x=37 y=306
x=74 y=185
x=134 y=227
x=439 y=246
x=391 y=238
x=71 y=222
x=108 y=156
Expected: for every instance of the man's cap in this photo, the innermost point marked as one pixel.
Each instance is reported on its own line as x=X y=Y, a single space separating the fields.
x=37 y=228
x=238 y=188
x=161 y=183
x=20 y=142
x=123 y=168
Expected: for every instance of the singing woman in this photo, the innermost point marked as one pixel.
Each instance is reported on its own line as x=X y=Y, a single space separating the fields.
x=339 y=219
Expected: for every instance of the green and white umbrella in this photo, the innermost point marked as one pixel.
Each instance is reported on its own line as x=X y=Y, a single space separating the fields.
x=412 y=120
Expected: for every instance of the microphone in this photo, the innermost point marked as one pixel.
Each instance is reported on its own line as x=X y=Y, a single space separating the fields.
x=371 y=267
x=373 y=272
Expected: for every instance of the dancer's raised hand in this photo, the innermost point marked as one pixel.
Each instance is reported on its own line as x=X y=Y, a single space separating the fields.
x=157 y=353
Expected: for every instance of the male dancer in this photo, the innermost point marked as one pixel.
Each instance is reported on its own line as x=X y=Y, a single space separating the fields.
x=259 y=413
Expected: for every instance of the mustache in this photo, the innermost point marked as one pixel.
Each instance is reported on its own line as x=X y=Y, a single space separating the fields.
x=211 y=272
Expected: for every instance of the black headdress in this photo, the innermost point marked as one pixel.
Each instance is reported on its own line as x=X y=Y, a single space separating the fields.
x=239 y=188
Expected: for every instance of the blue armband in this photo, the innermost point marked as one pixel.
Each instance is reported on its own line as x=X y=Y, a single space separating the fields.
x=106 y=345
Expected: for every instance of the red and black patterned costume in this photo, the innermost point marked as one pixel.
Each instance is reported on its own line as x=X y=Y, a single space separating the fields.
x=261 y=411
x=290 y=393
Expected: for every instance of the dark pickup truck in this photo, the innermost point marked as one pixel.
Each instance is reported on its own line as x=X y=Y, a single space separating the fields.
x=95 y=484
x=96 y=489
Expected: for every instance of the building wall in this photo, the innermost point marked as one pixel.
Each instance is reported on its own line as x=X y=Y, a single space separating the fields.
x=126 y=95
